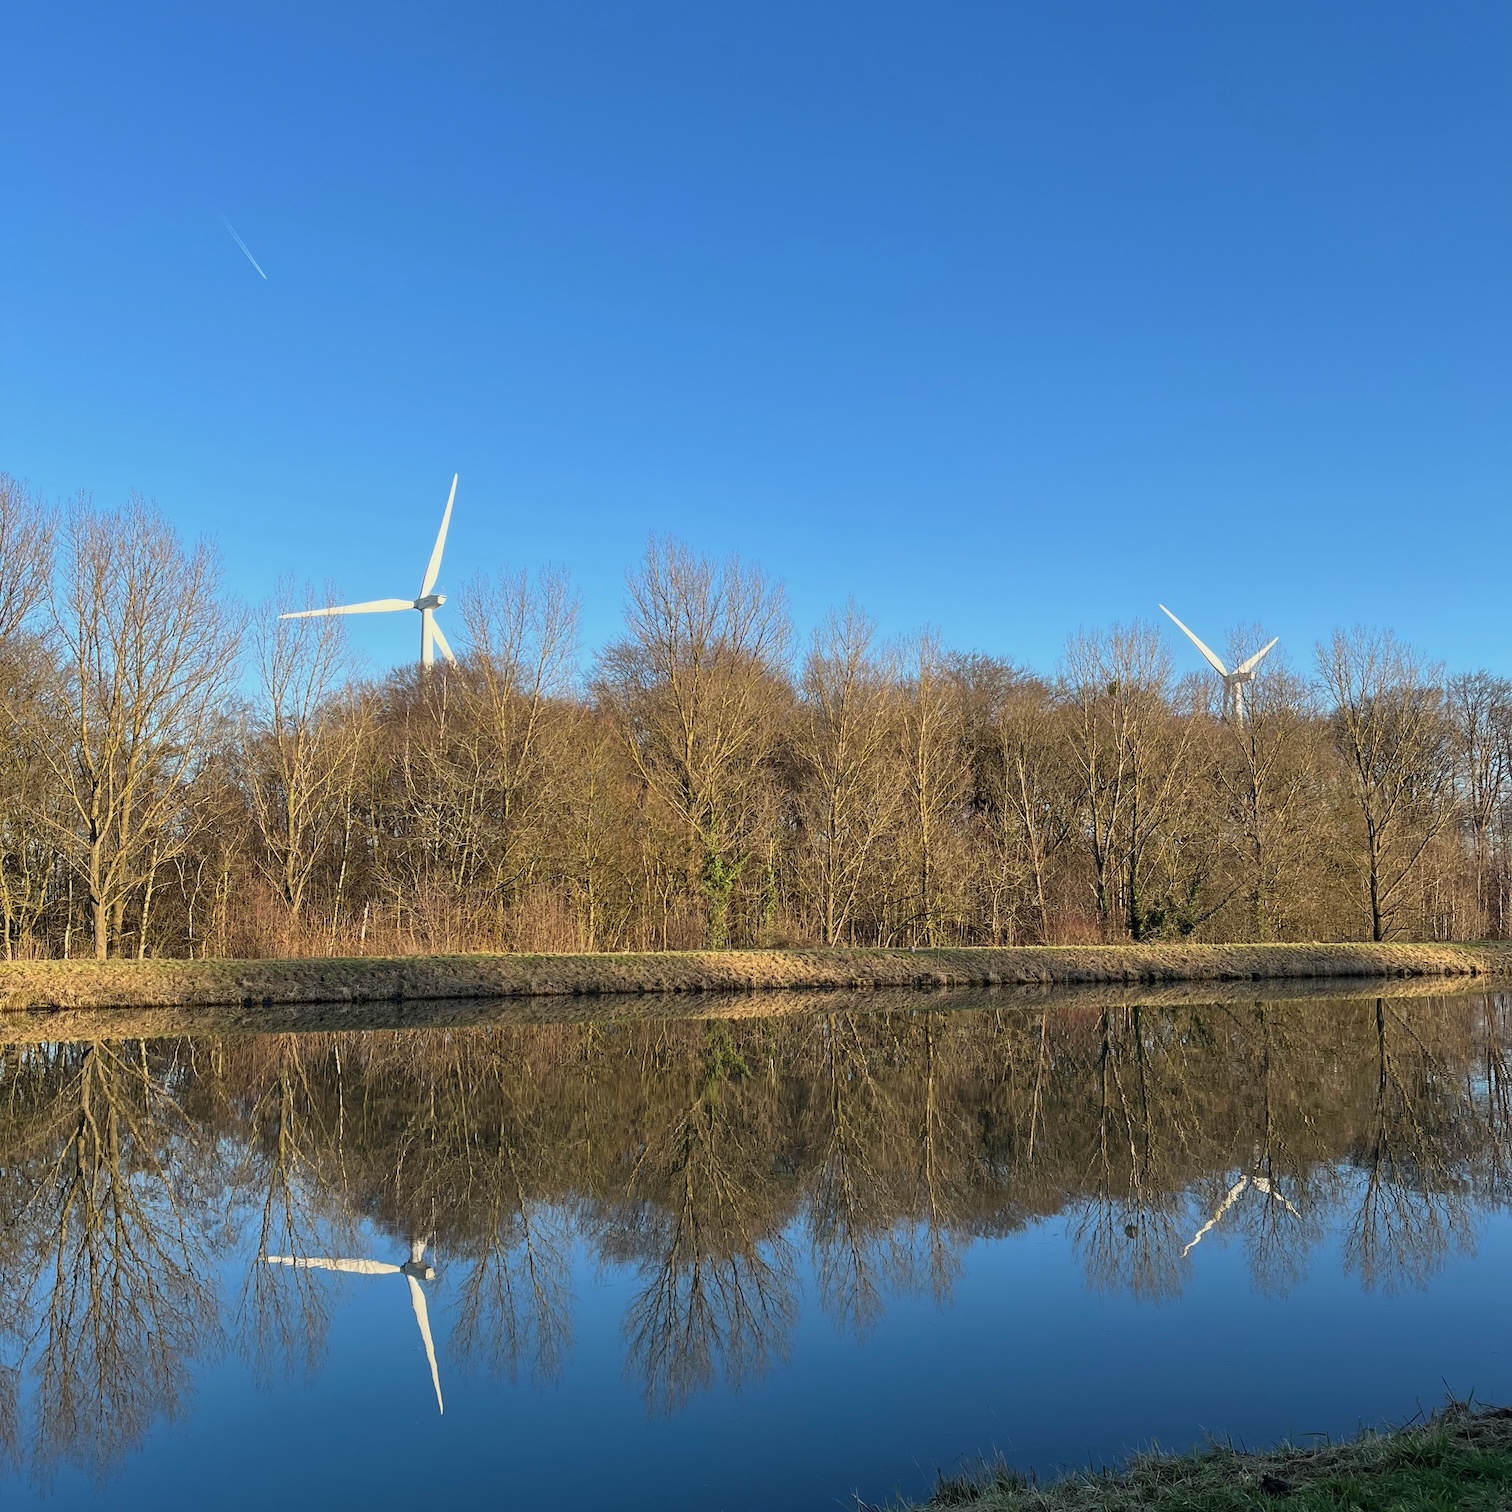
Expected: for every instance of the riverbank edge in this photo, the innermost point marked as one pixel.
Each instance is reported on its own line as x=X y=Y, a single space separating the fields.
x=34 y=985
x=1460 y=1457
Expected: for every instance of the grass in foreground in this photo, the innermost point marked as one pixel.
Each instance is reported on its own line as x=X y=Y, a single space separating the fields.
x=1461 y=1459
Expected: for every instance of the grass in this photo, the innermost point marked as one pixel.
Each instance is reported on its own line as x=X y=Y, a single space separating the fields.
x=163 y=1021
x=1461 y=1458
x=356 y=979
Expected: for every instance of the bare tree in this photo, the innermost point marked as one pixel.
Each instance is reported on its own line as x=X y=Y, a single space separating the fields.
x=148 y=651
x=1480 y=712
x=845 y=742
x=522 y=650
x=32 y=805
x=26 y=536
x=1031 y=756
x=1267 y=779
x=694 y=687
x=27 y=798
x=1393 y=738
x=300 y=743
x=1130 y=758
x=934 y=781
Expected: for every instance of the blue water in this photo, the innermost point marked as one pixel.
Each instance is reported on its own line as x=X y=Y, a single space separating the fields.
x=1013 y=1344
x=1020 y=1357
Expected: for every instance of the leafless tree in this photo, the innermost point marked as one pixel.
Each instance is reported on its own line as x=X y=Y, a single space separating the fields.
x=26 y=538
x=845 y=739
x=148 y=649
x=1269 y=788
x=934 y=784
x=694 y=688
x=1480 y=712
x=300 y=743
x=1131 y=760
x=1392 y=735
x=522 y=648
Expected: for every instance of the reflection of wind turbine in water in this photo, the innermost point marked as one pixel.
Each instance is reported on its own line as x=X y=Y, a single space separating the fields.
x=1235 y=1192
x=431 y=638
x=414 y=1270
x=1233 y=682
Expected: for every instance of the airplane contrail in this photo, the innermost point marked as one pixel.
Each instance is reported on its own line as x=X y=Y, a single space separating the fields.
x=240 y=243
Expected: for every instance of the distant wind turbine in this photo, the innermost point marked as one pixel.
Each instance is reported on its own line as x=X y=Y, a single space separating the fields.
x=431 y=638
x=414 y=1270
x=1233 y=682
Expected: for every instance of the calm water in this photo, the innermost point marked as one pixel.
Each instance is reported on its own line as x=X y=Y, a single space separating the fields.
x=750 y=1263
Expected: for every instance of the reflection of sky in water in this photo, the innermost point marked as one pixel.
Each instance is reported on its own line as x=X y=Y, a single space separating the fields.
x=1072 y=1338
x=1022 y=1356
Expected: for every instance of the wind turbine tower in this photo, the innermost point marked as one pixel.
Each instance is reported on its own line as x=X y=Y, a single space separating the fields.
x=1233 y=682
x=431 y=638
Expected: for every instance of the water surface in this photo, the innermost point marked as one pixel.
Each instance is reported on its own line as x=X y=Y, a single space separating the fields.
x=748 y=1262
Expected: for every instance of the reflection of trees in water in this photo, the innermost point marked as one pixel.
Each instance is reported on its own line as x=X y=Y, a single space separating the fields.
x=1176 y=1156
x=108 y=1245
x=1415 y=1156
x=697 y=1221
x=707 y=1158
x=1129 y=1227
x=894 y=1154
x=850 y=1215
x=293 y=1145
x=513 y=1303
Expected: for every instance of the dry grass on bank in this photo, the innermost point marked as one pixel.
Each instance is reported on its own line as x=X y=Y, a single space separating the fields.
x=167 y=1021
x=138 y=984
x=1460 y=1458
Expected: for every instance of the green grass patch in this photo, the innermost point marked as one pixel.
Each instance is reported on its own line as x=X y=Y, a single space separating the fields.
x=1458 y=1461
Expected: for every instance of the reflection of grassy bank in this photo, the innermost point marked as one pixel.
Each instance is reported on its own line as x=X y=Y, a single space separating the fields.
x=1459 y=1459
x=105 y=984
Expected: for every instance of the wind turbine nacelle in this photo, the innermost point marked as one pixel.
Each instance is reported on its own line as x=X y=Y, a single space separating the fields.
x=430 y=601
x=419 y=1270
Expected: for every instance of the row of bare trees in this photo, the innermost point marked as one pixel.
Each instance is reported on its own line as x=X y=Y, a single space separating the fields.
x=179 y=776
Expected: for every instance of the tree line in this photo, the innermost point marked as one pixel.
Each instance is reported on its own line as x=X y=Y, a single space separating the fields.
x=736 y=1171
x=180 y=775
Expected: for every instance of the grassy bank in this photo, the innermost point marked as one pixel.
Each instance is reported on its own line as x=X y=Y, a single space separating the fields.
x=357 y=979
x=165 y=1021
x=1459 y=1459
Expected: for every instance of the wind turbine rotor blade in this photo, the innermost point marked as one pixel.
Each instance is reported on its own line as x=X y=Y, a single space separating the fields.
x=1263 y=1184
x=1212 y=660
x=1234 y=1193
x=351 y=1267
x=433 y=571
x=422 y=1317
x=373 y=606
x=1254 y=661
x=439 y=641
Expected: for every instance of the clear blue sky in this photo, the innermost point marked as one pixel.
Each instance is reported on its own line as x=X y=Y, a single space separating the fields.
x=1001 y=317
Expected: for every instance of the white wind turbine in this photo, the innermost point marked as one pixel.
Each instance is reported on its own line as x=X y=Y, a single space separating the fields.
x=1233 y=682
x=414 y=1270
x=431 y=638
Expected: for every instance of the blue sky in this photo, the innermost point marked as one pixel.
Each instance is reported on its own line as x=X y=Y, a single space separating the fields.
x=1003 y=318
